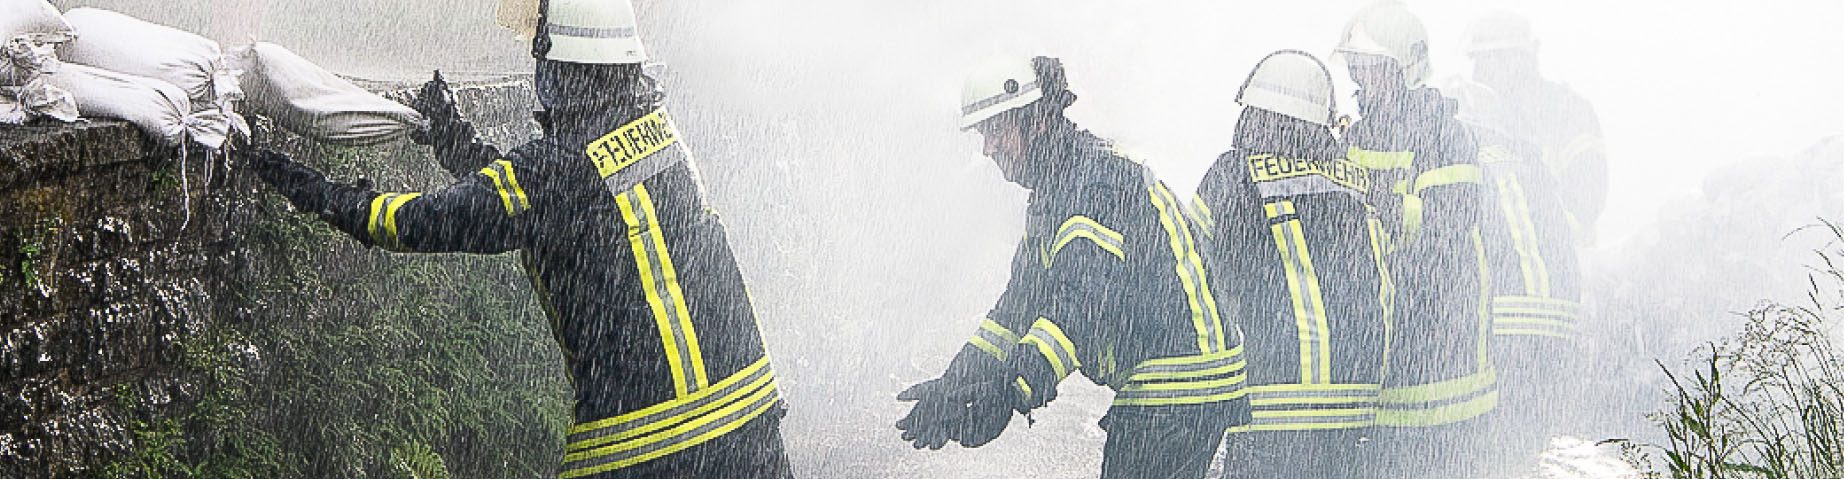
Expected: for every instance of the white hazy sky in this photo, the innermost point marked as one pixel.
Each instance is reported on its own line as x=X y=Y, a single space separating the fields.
x=1681 y=86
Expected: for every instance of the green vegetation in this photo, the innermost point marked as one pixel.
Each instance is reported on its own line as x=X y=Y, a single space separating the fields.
x=331 y=360
x=1769 y=402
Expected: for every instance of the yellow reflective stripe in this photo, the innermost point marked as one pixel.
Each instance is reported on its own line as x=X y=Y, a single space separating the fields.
x=1483 y=360
x=1441 y=390
x=659 y=282
x=1084 y=227
x=703 y=395
x=1539 y=267
x=1435 y=416
x=1582 y=144
x=1205 y=217
x=1022 y=387
x=1381 y=160
x=499 y=186
x=672 y=286
x=1299 y=427
x=1054 y=345
x=699 y=409
x=1386 y=292
x=994 y=339
x=679 y=438
x=383 y=219
x=1411 y=221
x=1188 y=385
x=1301 y=318
x=1449 y=176
x=1156 y=376
x=1205 y=317
x=512 y=180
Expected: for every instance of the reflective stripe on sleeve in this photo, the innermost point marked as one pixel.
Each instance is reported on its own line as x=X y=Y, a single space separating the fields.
x=382 y=225
x=1056 y=347
x=994 y=339
x=1083 y=227
x=506 y=183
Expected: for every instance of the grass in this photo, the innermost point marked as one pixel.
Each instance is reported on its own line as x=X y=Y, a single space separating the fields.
x=1767 y=403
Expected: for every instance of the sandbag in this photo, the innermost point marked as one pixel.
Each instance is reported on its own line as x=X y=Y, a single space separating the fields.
x=20 y=17
x=34 y=100
x=312 y=102
x=157 y=107
x=124 y=44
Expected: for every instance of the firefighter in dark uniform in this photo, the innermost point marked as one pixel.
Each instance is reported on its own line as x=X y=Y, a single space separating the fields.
x=1108 y=282
x=1287 y=213
x=1540 y=146
x=1427 y=185
x=671 y=376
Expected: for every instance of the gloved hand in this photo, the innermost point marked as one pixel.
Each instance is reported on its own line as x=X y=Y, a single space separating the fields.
x=303 y=186
x=436 y=102
x=451 y=136
x=947 y=409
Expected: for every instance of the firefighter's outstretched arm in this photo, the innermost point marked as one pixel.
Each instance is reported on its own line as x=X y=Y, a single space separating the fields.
x=1086 y=271
x=969 y=403
x=475 y=214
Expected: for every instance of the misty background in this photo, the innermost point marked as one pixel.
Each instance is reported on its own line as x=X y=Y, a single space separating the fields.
x=874 y=234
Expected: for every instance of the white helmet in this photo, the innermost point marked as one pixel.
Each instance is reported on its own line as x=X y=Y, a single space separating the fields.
x=1292 y=83
x=998 y=86
x=597 y=32
x=1389 y=30
x=1500 y=31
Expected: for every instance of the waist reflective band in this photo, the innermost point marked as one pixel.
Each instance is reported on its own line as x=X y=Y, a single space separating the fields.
x=1199 y=379
x=671 y=426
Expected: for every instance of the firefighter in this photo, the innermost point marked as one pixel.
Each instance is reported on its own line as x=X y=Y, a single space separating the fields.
x=670 y=376
x=1108 y=281
x=1426 y=183
x=1539 y=145
x=1286 y=211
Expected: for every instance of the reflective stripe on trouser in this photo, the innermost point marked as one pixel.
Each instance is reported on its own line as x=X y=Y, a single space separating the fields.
x=660 y=280
x=1535 y=316
x=672 y=426
x=1303 y=288
x=1200 y=379
x=1303 y=407
x=1451 y=400
x=994 y=339
x=1205 y=317
x=381 y=221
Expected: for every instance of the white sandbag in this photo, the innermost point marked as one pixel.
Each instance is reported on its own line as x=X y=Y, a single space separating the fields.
x=315 y=103
x=26 y=56
x=38 y=99
x=157 y=107
x=124 y=44
x=20 y=17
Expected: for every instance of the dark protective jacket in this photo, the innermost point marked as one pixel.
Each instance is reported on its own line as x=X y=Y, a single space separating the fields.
x=1108 y=281
x=1310 y=286
x=631 y=265
x=1426 y=182
x=1565 y=133
x=1536 y=274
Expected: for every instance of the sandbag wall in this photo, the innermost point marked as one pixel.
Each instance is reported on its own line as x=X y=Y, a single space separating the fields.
x=107 y=284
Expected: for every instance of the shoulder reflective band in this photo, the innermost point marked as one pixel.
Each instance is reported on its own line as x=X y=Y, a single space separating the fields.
x=1495 y=154
x=671 y=426
x=1411 y=221
x=994 y=339
x=636 y=151
x=984 y=103
x=1205 y=217
x=1310 y=407
x=1083 y=227
x=659 y=279
x=1584 y=144
x=1449 y=176
x=507 y=184
x=1381 y=160
x=1535 y=316
x=1054 y=345
x=1277 y=176
x=1303 y=289
x=1199 y=379
x=1522 y=229
x=1439 y=403
x=1205 y=317
x=383 y=219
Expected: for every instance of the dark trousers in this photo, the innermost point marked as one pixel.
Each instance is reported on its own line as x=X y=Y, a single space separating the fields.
x=1159 y=443
x=1327 y=454
x=1449 y=451
x=753 y=451
x=1534 y=400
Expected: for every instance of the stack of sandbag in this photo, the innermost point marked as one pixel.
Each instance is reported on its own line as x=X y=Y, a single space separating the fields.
x=30 y=30
x=138 y=64
x=314 y=103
